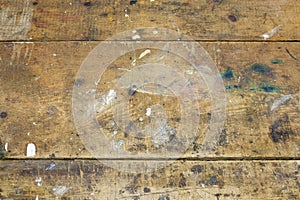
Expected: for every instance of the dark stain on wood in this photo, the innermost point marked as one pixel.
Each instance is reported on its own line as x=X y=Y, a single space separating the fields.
x=213 y=180
x=281 y=130
x=182 y=182
x=3 y=115
x=147 y=190
x=1 y=151
x=87 y=4
x=132 y=91
x=197 y=169
x=222 y=138
x=132 y=2
x=232 y=18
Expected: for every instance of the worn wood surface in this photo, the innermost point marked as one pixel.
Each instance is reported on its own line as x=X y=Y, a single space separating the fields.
x=98 y=20
x=38 y=78
x=81 y=179
x=255 y=45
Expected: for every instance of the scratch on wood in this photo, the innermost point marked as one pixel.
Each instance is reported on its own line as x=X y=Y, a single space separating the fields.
x=291 y=55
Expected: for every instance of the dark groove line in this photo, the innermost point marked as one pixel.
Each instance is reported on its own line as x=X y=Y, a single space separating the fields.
x=203 y=41
x=291 y=55
x=215 y=159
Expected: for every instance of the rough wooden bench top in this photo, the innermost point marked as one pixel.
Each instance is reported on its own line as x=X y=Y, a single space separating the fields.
x=255 y=47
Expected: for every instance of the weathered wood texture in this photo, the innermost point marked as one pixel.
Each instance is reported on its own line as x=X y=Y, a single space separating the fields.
x=181 y=180
x=37 y=81
x=98 y=20
x=255 y=45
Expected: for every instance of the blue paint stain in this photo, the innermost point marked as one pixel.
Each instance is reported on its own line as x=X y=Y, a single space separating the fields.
x=260 y=68
x=228 y=87
x=228 y=74
x=269 y=88
x=276 y=61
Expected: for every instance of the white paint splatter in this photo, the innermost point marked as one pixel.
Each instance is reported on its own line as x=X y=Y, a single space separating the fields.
x=162 y=134
x=117 y=145
x=144 y=53
x=124 y=69
x=105 y=101
x=91 y=91
x=60 y=190
x=280 y=101
x=114 y=133
x=270 y=34
x=98 y=81
x=154 y=32
x=136 y=37
x=112 y=123
x=6 y=146
x=31 y=150
x=110 y=96
x=133 y=63
x=39 y=181
x=189 y=71
x=15 y=23
x=148 y=111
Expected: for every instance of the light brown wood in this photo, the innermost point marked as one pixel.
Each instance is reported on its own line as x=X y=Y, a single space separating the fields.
x=255 y=155
x=38 y=78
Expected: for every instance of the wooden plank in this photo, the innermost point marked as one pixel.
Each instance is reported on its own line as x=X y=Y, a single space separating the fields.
x=99 y=20
x=262 y=89
x=81 y=179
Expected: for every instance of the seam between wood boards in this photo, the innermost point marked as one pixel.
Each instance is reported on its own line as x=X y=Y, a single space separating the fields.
x=204 y=41
x=213 y=159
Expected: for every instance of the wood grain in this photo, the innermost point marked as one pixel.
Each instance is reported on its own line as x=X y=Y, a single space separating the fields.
x=81 y=179
x=36 y=93
x=255 y=45
x=99 y=20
